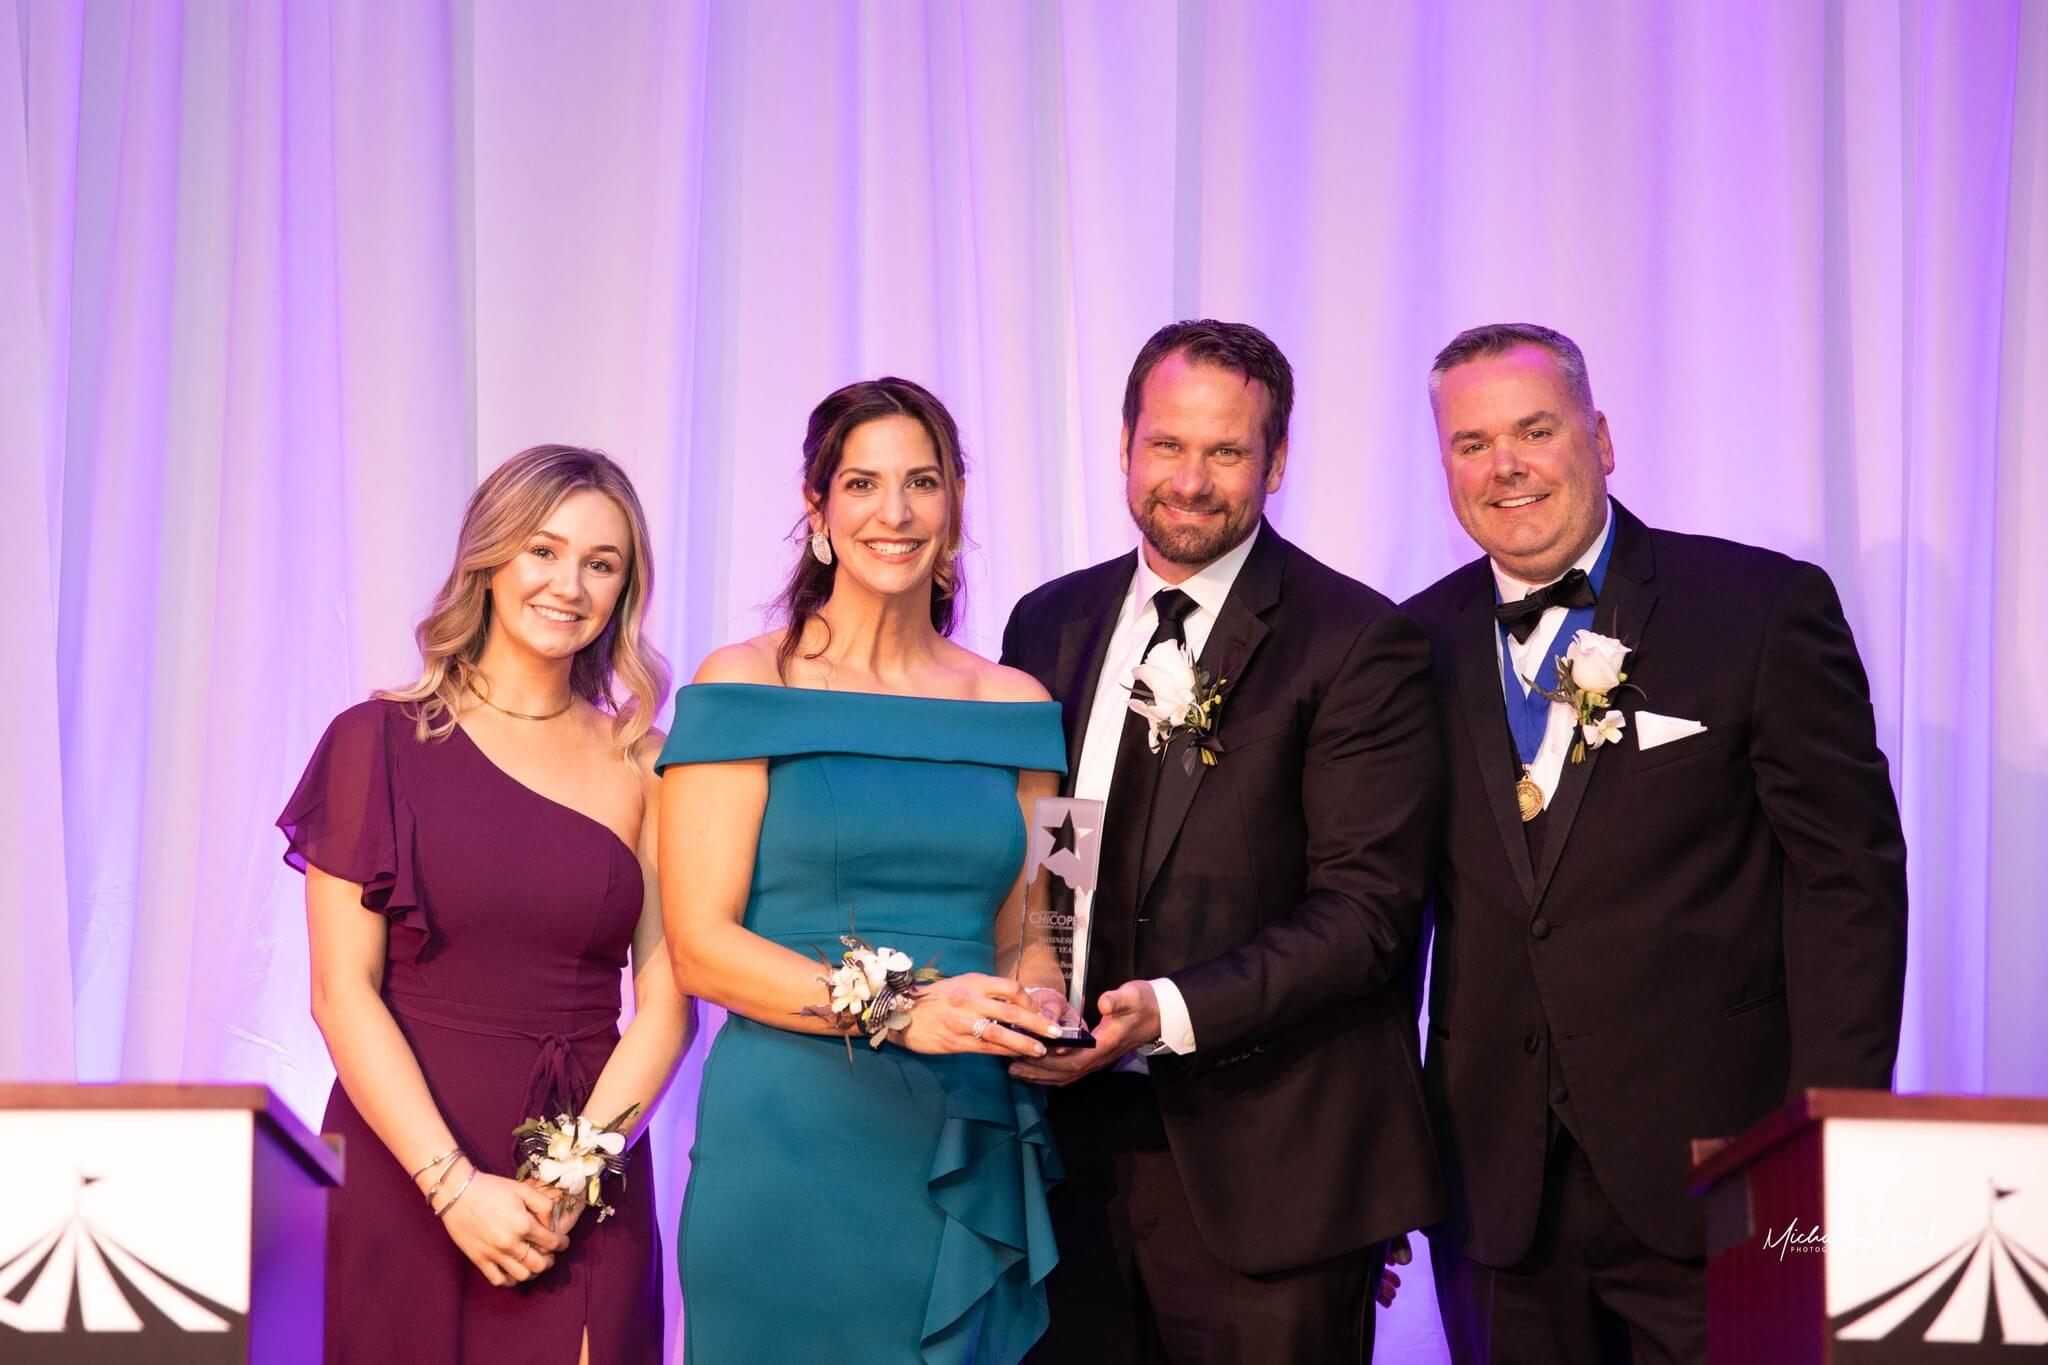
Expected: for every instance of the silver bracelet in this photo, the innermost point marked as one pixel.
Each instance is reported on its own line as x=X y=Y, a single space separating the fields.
x=447 y=1171
x=452 y=1151
x=458 y=1193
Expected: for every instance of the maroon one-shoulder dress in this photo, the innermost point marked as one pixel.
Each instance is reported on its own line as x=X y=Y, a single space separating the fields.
x=510 y=919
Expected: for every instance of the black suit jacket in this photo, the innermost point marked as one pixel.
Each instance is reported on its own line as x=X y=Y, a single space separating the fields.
x=1712 y=925
x=1282 y=892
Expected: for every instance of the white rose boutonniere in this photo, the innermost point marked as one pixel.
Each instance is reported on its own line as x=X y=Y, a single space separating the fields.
x=1596 y=661
x=1589 y=672
x=1178 y=698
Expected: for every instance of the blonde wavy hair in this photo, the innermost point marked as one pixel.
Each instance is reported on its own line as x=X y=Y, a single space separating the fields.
x=506 y=509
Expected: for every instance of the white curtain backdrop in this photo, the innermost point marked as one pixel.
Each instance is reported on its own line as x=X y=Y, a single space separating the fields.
x=279 y=279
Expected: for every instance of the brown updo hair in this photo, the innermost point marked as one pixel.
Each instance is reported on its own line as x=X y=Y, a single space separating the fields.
x=832 y=422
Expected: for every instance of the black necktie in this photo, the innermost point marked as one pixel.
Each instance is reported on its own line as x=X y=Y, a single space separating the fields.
x=1520 y=618
x=1112 y=933
x=1174 y=607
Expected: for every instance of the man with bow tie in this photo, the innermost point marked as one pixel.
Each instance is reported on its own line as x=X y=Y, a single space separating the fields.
x=1673 y=887
x=1249 y=1129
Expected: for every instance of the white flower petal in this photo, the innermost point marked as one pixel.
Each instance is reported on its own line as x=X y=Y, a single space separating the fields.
x=1597 y=661
x=1604 y=729
x=1171 y=654
x=1160 y=682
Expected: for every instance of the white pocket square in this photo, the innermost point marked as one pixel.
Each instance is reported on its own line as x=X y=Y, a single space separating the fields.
x=1653 y=729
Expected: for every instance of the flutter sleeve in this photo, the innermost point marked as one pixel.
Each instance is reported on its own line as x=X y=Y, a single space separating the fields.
x=349 y=818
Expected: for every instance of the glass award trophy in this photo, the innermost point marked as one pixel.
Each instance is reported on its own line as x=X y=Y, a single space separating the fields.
x=1065 y=852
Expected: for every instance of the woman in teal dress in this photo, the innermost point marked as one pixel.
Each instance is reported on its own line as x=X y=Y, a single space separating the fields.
x=856 y=772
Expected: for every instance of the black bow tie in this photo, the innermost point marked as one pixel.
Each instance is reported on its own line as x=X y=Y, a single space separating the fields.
x=1520 y=618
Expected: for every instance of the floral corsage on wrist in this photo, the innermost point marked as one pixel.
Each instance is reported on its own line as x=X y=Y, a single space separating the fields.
x=1589 y=674
x=870 y=990
x=571 y=1154
x=1175 y=696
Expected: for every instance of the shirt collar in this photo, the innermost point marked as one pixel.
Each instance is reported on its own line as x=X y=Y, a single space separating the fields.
x=1209 y=586
x=1513 y=589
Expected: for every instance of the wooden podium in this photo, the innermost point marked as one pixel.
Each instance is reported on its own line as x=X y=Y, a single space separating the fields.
x=1859 y=1227
x=172 y=1224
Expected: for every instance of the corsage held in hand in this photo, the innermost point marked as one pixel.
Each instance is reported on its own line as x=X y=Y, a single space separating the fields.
x=1175 y=696
x=571 y=1154
x=871 y=990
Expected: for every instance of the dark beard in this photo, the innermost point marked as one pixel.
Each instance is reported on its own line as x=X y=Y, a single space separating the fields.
x=1190 y=545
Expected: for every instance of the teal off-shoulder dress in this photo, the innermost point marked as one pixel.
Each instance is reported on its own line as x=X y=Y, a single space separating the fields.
x=888 y=1208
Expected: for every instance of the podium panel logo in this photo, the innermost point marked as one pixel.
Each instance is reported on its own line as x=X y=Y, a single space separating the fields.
x=134 y=1244
x=1950 y=1260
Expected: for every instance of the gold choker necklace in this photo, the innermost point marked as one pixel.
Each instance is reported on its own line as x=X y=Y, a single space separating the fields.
x=521 y=715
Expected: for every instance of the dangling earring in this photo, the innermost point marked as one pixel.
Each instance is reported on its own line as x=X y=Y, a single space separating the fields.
x=821 y=547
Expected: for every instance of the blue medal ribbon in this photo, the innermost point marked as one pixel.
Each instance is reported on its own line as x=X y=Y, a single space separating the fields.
x=1529 y=713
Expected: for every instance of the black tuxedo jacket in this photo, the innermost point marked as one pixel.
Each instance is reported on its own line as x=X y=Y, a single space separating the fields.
x=1711 y=925
x=1282 y=892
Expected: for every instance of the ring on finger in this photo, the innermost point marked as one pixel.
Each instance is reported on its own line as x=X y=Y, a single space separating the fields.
x=981 y=1026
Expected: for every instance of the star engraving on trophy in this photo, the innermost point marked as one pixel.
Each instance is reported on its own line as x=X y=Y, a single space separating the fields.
x=1064 y=837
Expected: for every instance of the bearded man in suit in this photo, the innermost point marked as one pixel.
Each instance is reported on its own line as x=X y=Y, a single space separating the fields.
x=1660 y=913
x=1249 y=1129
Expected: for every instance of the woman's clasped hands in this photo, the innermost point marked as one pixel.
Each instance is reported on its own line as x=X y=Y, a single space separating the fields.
x=503 y=1226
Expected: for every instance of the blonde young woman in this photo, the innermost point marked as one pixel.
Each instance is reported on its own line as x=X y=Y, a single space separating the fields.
x=479 y=859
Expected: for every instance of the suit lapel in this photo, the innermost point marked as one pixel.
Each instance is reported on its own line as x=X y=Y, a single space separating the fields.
x=1482 y=701
x=1236 y=636
x=1626 y=601
x=1083 y=642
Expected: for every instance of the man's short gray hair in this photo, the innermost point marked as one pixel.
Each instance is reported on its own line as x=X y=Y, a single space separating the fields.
x=1476 y=343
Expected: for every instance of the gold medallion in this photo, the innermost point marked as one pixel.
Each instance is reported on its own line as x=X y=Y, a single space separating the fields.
x=1528 y=797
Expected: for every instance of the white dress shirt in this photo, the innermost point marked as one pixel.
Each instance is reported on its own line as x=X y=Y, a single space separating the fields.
x=1106 y=711
x=1533 y=660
